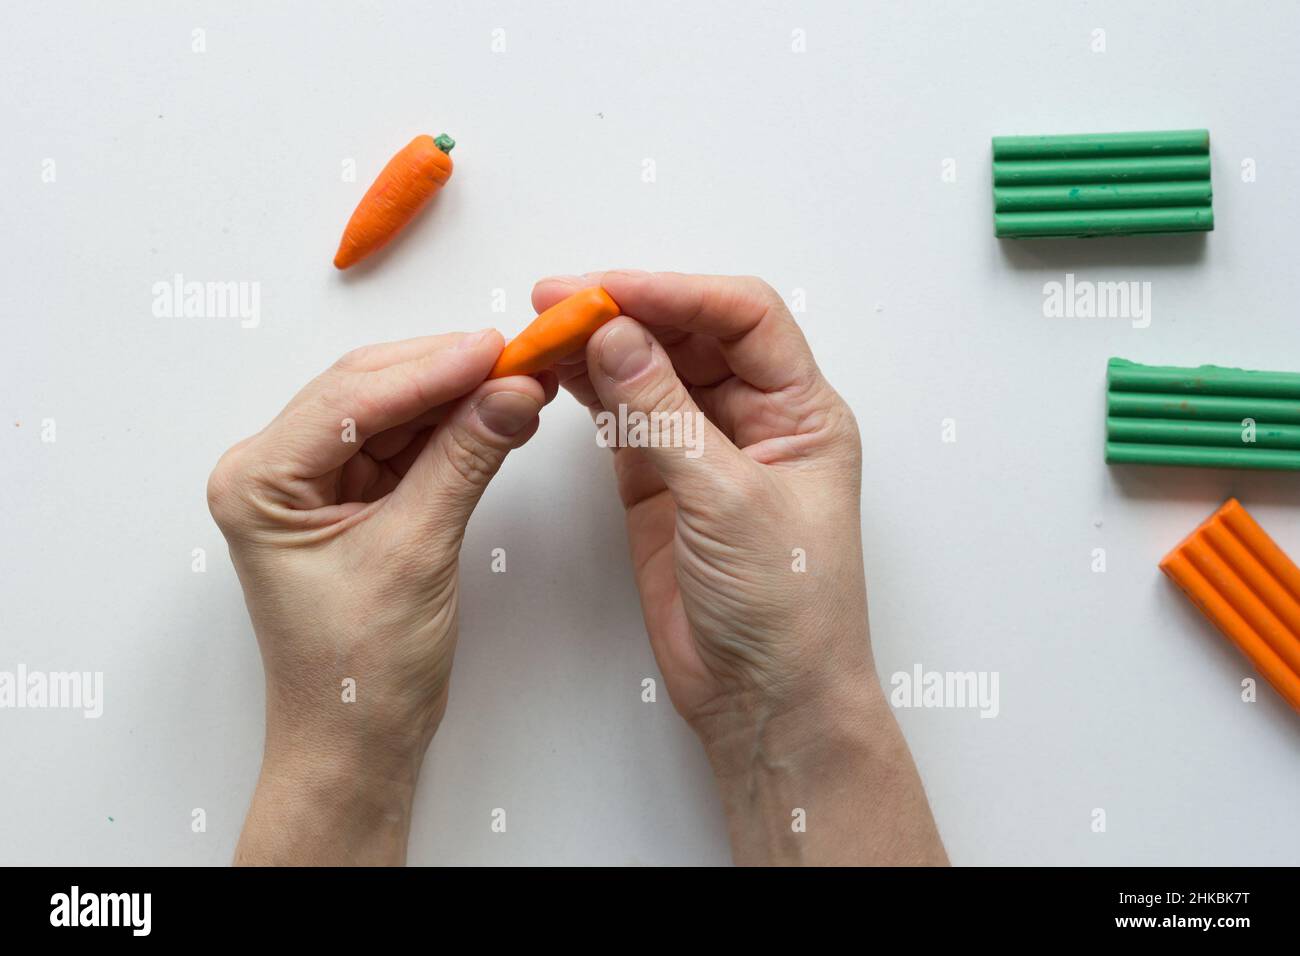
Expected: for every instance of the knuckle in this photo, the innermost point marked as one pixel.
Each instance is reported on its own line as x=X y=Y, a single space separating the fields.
x=760 y=289
x=843 y=422
x=842 y=427
x=419 y=387
x=749 y=485
x=636 y=476
x=474 y=462
x=350 y=400
x=356 y=359
x=223 y=485
x=744 y=493
x=664 y=394
x=424 y=562
x=364 y=408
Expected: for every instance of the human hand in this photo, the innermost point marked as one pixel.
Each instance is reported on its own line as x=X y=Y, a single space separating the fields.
x=344 y=518
x=748 y=559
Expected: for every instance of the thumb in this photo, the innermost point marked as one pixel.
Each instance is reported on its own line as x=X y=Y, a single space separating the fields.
x=438 y=493
x=635 y=381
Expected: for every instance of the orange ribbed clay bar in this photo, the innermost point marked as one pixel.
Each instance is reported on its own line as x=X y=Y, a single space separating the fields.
x=1249 y=588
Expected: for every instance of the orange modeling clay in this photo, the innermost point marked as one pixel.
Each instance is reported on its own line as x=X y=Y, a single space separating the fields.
x=1247 y=586
x=559 y=331
x=410 y=179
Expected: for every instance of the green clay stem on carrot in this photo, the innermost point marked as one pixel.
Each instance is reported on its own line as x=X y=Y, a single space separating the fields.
x=445 y=143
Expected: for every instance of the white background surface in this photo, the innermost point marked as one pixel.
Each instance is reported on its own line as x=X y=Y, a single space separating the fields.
x=818 y=171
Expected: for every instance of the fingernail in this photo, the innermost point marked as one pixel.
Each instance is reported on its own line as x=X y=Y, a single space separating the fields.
x=625 y=353
x=506 y=413
x=474 y=339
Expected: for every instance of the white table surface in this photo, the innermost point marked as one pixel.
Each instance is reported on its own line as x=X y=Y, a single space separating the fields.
x=819 y=171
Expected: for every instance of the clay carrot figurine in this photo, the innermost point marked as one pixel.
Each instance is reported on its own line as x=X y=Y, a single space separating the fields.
x=559 y=331
x=406 y=183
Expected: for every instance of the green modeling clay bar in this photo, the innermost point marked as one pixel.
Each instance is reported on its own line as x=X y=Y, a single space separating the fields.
x=1209 y=416
x=1102 y=184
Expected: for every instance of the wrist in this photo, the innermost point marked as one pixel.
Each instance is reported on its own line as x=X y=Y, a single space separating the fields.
x=328 y=806
x=331 y=795
x=362 y=736
x=826 y=781
x=744 y=731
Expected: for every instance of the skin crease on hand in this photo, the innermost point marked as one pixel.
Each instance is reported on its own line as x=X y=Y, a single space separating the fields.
x=347 y=553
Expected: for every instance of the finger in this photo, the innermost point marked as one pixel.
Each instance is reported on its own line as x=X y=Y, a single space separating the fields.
x=697 y=358
x=550 y=383
x=636 y=476
x=446 y=480
x=577 y=382
x=634 y=378
x=757 y=335
x=400 y=463
x=552 y=289
x=365 y=479
x=719 y=403
x=338 y=413
x=748 y=415
x=387 y=444
x=369 y=358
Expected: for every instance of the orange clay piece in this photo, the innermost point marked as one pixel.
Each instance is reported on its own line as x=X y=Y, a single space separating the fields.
x=411 y=177
x=559 y=331
x=1247 y=586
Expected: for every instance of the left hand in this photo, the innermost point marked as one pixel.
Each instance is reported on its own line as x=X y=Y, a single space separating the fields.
x=345 y=518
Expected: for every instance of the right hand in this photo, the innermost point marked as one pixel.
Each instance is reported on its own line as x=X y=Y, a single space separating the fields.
x=748 y=557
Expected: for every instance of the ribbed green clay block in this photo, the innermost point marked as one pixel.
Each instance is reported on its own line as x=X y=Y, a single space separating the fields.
x=1154 y=431
x=1101 y=196
x=1161 y=415
x=1123 y=375
x=1084 y=172
x=1102 y=184
x=1217 y=408
x=1102 y=222
x=1101 y=145
x=1194 y=457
